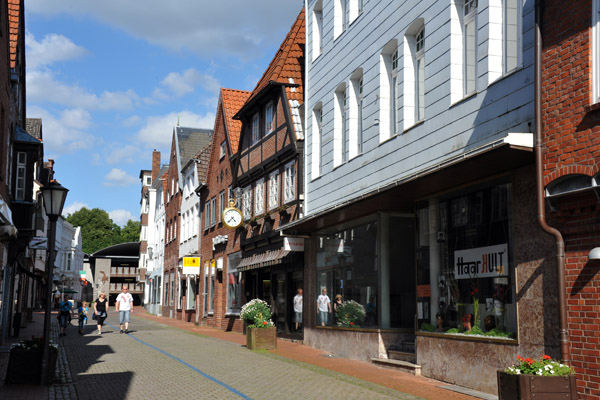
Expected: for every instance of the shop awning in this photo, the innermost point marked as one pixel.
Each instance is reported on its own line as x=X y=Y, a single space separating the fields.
x=260 y=260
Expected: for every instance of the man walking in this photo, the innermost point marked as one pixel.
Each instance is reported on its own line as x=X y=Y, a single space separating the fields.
x=124 y=306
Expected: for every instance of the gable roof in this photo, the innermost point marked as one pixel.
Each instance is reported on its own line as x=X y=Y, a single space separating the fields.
x=202 y=165
x=286 y=68
x=14 y=18
x=188 y=143
x=33 y=126
x=287 y=63
x=232 y=101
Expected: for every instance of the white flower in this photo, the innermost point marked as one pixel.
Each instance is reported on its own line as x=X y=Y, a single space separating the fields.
x=518 y=372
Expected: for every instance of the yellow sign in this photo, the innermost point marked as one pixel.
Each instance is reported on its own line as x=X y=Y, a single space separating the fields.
x=191 y=261
x=191 y=265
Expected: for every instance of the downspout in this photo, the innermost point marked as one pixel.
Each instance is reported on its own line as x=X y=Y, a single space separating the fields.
x=560 y=244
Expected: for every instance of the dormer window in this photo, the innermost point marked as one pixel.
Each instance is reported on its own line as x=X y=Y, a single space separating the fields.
x=21 y=174
x=269 y=118
x=255 y=128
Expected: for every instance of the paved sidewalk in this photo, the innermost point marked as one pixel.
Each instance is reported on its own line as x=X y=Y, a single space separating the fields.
x=293 y=352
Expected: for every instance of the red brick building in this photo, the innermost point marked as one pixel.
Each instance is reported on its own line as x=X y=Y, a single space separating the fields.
x=220 y=246
x=570 y=120
x=268 y=174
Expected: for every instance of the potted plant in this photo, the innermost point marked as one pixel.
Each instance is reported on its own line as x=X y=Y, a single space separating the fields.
x=350 y=314
x=533 y=379
x=25 y=362
x=261 y=332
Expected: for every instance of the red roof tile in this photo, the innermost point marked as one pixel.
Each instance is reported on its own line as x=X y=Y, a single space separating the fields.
x=286 y=65
x=232 y=101
x=14 y=14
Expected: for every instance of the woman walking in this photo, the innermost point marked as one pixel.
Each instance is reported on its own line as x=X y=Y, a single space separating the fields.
x=100 y=307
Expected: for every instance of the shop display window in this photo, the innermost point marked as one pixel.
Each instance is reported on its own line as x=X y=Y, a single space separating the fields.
x=234 y=289
x=465 y=276
x=347 y=267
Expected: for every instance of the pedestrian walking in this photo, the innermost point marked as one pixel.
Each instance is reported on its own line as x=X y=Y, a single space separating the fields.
x=323 y=306
x=298 y=308
x=82 y=314
x=64 y=316
x=124 y=306
x=100 y=307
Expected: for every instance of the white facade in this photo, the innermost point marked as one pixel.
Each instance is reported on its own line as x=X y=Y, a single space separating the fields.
x=156 y=244
x=189 y=227
x=69 y=258
x=397 y=89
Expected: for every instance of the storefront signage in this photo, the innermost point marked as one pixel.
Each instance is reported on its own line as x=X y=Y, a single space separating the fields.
x=191 y=265
x=482 y=262
x=39 y=243
x=293 y=244
x=423 y=291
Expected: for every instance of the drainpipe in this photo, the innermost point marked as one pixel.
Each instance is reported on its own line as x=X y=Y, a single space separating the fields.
x=560 y=244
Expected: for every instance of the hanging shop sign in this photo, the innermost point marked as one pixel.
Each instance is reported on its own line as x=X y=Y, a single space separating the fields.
x=293 y=243
x=39 y=243
x=481 y=262
x=191 y=265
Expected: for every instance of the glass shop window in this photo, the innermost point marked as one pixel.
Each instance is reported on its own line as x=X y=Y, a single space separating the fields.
x=465 y=276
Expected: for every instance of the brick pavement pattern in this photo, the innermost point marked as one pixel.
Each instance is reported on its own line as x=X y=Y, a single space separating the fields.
x=114 y=365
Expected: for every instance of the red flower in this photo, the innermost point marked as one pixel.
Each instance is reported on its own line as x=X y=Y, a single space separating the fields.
x=546 y=357
x=351 y=323
x=519 y=358
x=264 y=323
x=476 y=290
x=472 y=293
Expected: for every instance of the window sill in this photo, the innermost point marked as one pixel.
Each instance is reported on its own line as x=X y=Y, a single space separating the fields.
x=364 y=330
x=318 y=56
x=464 y=99
x=233 y=314
x=394 y=136
x=468 y=338
x=413 y=126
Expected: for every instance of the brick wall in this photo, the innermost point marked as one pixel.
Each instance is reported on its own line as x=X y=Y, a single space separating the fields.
x=571 y=138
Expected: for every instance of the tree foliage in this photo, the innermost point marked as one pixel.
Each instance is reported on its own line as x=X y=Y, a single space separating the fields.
x=99 y=231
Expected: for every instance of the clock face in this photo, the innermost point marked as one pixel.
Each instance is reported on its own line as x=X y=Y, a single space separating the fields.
x=232 y=217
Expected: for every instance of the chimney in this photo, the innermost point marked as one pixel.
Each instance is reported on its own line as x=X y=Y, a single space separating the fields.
x=155 y=164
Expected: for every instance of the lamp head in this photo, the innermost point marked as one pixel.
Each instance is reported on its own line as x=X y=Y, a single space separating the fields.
x=54 y=199
x=594 y=254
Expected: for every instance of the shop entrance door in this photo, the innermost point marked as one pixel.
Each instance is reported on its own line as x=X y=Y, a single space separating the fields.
x=285 y=284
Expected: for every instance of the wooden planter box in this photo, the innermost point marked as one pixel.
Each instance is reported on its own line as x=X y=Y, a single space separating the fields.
x=528 y=387
x=25 y=366
x=261 y=338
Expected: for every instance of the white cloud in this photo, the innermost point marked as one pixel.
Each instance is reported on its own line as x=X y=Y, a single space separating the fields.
x=73 y=207
x=158 y=131
x=118 y=177
x=235 y=28
x=52 y=48
x=119 y=153
x=43 y=87
x=131 y=121
x=64 y=133
x=186 y=82
x=120 y=217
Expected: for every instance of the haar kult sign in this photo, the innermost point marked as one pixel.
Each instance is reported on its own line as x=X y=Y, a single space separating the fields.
x=482 y=262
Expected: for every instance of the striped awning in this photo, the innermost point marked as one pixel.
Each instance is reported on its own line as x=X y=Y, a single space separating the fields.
x=260 y=260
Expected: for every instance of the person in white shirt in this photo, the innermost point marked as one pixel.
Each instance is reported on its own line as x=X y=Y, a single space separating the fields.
x=323 y=306
x=298 y=308
x=124 y=306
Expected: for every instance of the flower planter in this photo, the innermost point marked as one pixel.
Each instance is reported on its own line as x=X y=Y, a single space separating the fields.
x=261 y=338
x=526 y=387
x=25 y=366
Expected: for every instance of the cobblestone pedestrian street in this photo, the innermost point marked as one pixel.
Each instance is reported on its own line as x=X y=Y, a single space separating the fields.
x=159 y=362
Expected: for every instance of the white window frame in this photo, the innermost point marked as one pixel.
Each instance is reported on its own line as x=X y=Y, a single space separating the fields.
x=274 y=190
x=259 y=197
x=355 y=115
x=207 y=215
x=387 y=127
x=21 y=176
x=196 y=217
x=290 y=182
x=269 y=118
x=394 y=118
x=317 y=141
x=355 y=8
x=507 y=40
x=339 y=17
x=255 y=128
x=469 y=21
x=340 y=126
x=221 y=205
x=213 y=212
x=247 y=202
x=317 y=29
x=222 y=150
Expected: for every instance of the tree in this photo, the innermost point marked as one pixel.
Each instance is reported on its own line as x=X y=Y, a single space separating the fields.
x=131 y=231
x=99 y=231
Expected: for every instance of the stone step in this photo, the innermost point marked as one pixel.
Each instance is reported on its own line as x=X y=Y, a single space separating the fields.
x=402 y=356
x=405 y=366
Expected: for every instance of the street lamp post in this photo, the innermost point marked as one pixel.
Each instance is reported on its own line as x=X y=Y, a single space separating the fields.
x=54 y=196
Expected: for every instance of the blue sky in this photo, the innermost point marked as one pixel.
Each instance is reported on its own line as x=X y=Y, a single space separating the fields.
x=110 y=78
